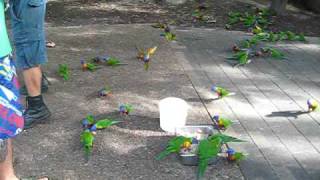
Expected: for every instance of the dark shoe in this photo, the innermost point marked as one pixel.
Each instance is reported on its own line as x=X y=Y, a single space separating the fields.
x=36 y=111
x=44 y=86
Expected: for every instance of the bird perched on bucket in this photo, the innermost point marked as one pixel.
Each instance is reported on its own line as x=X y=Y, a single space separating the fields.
x=312 y=105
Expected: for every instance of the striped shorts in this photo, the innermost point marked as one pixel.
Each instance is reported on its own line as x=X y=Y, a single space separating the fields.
x=11 y=110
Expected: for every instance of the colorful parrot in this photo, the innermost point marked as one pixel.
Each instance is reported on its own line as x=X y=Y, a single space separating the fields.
x=87 y=139
x=102 y=124
x=125 y=109
x=63 y=71
x=221 y=92
x=222 y=123
x=145 y=56
x=88 y=66
x=234 y=156
x=312 y=105
x=105 y=92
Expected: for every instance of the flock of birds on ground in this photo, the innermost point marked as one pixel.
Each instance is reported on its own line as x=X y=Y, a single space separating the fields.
x=209 y=147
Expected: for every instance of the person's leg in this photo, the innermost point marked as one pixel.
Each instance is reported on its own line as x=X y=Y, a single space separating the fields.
x=6 y=161
x=32 y=78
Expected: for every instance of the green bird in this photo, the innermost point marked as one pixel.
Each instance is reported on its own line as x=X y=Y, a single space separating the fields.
x=102 y=124
x=87 y=139
x=207 y=150
x=221 y=92
x=63 y=71
x=112 y=61
x=174 y=146
x=242 y=57
x=274 y=52
x=170 y=36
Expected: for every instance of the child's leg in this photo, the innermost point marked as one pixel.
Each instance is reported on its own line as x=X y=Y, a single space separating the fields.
x=6 y=162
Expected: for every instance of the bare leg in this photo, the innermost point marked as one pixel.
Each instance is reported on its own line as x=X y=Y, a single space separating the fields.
x=6 y=167
x=32 y=78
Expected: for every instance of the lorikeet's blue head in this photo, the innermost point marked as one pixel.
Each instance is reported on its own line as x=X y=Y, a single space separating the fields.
x=231 y=151
x=122 y=108
x=216 y=117
x=214 y=88
x=105 y=58
x=146 y=58
x=85 y=122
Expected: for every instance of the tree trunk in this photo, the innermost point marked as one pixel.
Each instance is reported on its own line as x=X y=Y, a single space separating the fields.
x=278 y=6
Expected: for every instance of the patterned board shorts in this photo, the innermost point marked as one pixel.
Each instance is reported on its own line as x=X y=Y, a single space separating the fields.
x=11 y=110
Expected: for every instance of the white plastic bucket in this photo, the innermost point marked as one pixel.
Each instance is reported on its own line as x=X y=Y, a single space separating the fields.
x=173 y=113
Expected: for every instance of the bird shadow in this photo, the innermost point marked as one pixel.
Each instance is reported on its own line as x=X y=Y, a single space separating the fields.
x=294 y=114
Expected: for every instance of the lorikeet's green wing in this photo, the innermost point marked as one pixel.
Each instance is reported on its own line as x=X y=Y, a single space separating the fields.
x=87 y=139
x=90 y=119
x=91 y=66
x=223 y=92
x=129 y=107
x=113 y=62
x=290 y=35
x=102 y=124
x=226 y=122
x=243 y=57
x=174 y=146
x=239 y=156
x=224 y=138
x=276 y=53
x=207 y=150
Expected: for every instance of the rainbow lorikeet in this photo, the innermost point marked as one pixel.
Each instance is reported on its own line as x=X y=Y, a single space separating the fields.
x=312 y=105
x=125 y=109
x=87 y=139
x=63 y=71
x=221 y=92
x=104 y=92
x=222 y=123
x=145 y=56
x=102 y=124
x=234 y=156
x=88 y=66
x=174 y=146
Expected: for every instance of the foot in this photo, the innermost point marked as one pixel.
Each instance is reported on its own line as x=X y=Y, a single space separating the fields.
x=44 y=86
x=37 y=112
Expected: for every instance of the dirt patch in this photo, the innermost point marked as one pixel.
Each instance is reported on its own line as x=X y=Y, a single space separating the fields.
x=74 y=12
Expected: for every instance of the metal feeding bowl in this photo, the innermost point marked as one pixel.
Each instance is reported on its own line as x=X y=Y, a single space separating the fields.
x=197 y=133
